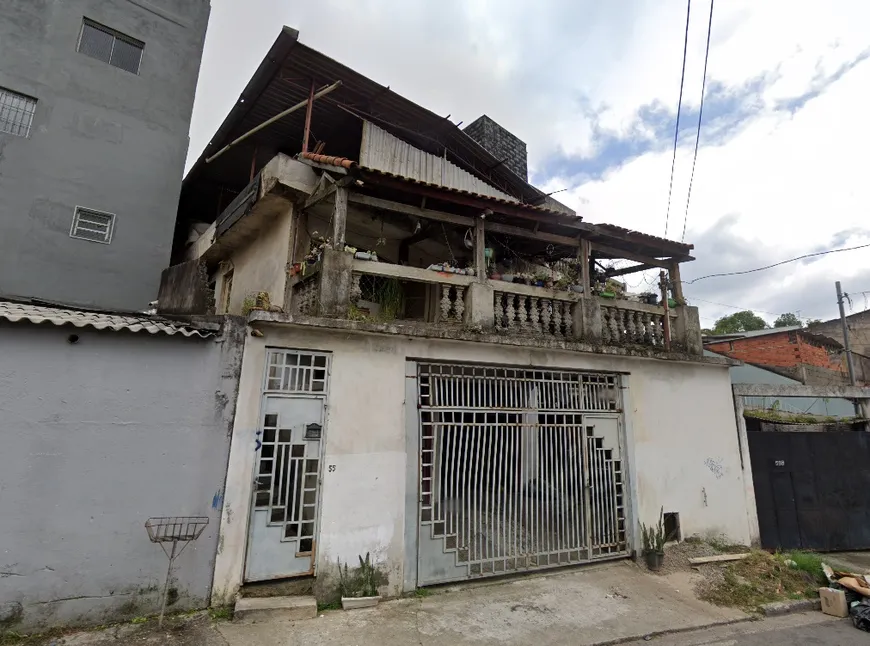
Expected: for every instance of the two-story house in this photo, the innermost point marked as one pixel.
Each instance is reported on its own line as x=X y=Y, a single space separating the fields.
x=95 y=105
x=440 y=369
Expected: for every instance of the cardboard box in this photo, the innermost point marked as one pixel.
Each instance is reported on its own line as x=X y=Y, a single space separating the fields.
x=834 y=602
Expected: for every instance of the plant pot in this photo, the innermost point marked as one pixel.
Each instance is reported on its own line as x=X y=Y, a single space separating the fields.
x=654 y=560
x=577 y=289
x=507 y=278
x=539 y=283
x=353 y=603
x=495 y=276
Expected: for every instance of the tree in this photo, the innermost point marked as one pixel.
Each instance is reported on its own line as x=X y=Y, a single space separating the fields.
x=813 y=322
x=745 y=321
x=787 y=320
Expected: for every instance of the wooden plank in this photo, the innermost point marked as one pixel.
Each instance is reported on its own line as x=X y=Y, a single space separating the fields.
x=339 y=218
x=461 y=220
x=543 y=236
x=799 y=390
x=720 y=558
x=410 y=273
x=408 y=209
x=630 y=255
x=628 y=270
x=480 y=249
x=321 y=192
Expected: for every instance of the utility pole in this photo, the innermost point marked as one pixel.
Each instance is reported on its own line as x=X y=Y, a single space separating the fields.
x=859 y=412
x=845 y=335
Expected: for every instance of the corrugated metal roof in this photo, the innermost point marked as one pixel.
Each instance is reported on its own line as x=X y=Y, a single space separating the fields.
x=637 y=236
x=384 y=152
x=344 y=162
x=16 y=312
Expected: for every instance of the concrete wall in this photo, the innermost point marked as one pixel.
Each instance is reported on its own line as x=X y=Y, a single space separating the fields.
x=682 y=438
x=261 y=265
x=859 y=331
x=98 y=436
x=102 y=138
x=747 y=374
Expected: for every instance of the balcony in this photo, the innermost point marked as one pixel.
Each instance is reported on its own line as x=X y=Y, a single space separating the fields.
x=437 y=303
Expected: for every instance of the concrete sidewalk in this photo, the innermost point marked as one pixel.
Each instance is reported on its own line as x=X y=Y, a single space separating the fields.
x=592 y=605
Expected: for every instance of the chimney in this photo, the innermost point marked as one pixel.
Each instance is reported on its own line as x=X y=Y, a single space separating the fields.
x=501 y=143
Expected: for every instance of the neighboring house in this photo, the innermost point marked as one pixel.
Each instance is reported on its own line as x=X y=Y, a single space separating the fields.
x=749 y=374
x=449 y=422
x=859 y=339
x=809 y=357
x=108 y=420
x=95 y=105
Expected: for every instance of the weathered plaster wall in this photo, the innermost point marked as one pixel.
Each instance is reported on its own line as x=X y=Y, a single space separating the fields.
x=682 y=439
x=102 y=138
x=98 y=436
x=261 y=266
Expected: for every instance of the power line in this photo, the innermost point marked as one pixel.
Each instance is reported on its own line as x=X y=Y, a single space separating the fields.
x=700 y=113
x=679 y=105
x=776 y=264
x=751 y=309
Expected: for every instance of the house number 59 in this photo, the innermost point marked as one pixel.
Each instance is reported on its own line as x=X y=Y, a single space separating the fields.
x=331 y=468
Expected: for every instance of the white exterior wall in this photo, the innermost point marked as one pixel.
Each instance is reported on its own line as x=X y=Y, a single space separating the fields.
x=681 y=438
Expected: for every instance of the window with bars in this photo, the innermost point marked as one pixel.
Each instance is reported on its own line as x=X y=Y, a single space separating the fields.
x=16 y=112
x=94 y=226
x=110 y=46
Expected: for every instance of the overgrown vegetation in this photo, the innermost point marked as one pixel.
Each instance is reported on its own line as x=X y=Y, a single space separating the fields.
x=359 y=582
x=762 y=578
x=221 y=613
x=654 y=537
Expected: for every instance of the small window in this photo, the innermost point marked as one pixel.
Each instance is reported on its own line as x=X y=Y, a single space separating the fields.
x=110 y=46
x=95 y=226
x=16 y=112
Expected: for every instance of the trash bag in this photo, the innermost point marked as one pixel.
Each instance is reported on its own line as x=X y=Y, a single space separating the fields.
x=860 y=614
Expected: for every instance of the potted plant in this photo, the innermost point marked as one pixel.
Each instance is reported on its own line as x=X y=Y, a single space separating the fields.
x=654 y=543
x=359 y=588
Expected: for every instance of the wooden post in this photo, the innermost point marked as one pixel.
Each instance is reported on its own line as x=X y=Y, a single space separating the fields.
x=480 y=248
x=678 y=283
x=308 y=110
x=339 y=218
x=583 y=256
x=254 y=163
x=666 y=326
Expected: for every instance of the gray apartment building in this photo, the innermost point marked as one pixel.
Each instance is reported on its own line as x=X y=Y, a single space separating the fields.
x=95 y=105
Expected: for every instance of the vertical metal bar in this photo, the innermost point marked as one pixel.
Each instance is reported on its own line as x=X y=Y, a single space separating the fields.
x=462 y=506
x=577 y=488
x=308 y=109
x=587 y=485
x=562 y=455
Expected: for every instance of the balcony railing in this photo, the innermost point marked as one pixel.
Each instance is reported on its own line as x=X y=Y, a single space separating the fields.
x=381 y=292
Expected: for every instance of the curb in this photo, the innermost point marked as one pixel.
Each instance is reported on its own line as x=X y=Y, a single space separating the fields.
x=675 y=631
x=779 y=608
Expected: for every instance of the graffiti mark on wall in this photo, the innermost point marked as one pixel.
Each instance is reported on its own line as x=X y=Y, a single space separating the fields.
x=259 y=444
x=715 y=467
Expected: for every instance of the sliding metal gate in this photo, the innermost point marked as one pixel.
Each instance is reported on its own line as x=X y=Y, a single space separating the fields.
x=519 y=469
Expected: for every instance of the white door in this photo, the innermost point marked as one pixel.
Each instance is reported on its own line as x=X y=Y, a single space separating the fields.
x=283 y=528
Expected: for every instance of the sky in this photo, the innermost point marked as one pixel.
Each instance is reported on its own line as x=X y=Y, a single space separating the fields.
x=592 y=88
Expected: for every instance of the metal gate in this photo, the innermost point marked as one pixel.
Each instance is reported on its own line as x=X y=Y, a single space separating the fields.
x=519 y=469
x=810 y=489
x=282 y=538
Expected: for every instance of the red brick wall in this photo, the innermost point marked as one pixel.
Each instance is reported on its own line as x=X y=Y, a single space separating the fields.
x=778 y=350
